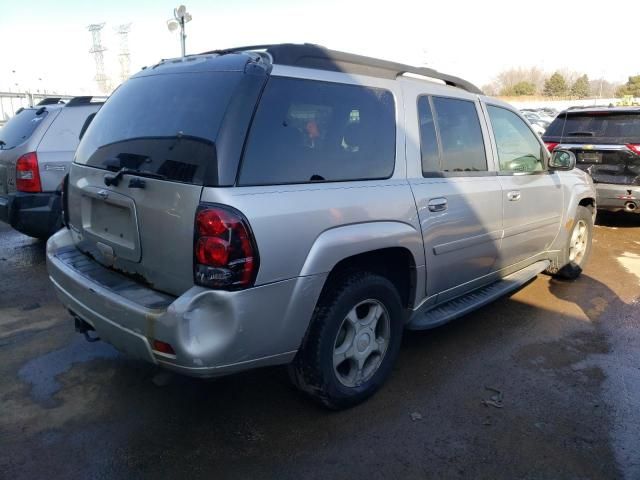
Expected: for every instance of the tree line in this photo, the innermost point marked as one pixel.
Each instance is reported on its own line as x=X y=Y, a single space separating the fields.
x=516 y=82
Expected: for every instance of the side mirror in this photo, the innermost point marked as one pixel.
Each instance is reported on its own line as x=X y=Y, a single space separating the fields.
x=562 y=160
x=87 y=122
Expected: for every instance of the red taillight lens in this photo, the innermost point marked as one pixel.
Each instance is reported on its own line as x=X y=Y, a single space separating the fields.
x=28 y=174
x=163 y=347
x=224 y=250
x=212 y=251
x=551 y=146
x=634 y=147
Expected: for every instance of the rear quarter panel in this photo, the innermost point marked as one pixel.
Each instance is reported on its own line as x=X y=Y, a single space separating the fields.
x=58 y=145
x=305 y=229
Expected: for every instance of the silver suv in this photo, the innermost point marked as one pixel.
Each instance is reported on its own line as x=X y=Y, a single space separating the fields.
x=36 y=149
x=290 y=204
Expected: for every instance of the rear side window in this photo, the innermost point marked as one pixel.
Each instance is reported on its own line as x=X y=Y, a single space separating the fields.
x=518 y=147
x=429 y=151
x=461 y=141
x=596 y=124
x=310 y=131
x=460 y=135
x=20 y=128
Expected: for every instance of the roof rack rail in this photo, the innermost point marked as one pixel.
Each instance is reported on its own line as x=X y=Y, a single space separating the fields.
x=50 y=101
x=84 y=100
x=315 y=56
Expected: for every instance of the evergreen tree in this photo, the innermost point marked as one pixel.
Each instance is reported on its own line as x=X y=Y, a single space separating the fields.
x=555 y=86
x=580 y=87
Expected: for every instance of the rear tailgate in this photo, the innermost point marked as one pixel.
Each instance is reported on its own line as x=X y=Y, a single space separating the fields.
x=146 y=231
x=615 y=164
x=139 y=170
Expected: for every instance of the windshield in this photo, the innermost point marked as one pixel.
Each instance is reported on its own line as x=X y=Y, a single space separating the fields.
x=21 y=127
x=160 y=124
x=596 y=124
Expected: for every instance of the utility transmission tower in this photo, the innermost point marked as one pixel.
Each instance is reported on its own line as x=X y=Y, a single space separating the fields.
x=97 y=50
x=124 y=57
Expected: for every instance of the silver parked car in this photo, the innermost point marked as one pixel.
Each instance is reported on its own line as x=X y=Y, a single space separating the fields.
x=36 y=149
x=290 y=204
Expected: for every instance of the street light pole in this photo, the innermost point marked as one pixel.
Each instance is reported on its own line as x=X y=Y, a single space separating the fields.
x=180 y=18
x=183 y=37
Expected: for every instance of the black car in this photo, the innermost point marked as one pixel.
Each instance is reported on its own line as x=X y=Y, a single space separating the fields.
x=606 y=142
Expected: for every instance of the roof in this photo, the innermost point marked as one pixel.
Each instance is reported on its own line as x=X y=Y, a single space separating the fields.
x=315 y=56
x=592 y=109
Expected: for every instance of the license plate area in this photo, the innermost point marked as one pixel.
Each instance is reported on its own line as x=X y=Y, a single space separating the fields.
x=109 y=219
x=590 y=157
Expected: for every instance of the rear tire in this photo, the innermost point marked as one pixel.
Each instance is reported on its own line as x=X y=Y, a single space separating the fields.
x=578 y=247
x=352 y=342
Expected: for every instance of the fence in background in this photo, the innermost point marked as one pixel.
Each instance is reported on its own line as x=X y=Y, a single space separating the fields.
x=12 y=101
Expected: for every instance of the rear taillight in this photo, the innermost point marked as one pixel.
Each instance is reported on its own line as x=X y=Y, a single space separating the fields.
x=28 y=174
x=634 y=147
x=225 y=254
x=551 y=146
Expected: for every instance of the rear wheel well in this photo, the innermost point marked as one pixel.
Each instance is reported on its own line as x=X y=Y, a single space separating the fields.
x=395 y=263
x=590 y=203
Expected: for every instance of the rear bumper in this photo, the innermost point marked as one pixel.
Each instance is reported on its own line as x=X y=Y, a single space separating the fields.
x=618 y=197
x=212 y=332
x=34 y=214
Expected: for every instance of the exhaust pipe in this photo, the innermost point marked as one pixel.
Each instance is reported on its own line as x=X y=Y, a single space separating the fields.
x=630 y=207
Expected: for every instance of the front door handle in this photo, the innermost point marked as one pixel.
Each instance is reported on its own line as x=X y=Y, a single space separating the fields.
x=437 y=204
x=513 y=196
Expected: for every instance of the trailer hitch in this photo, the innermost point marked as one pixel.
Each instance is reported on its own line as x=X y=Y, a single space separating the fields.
x=84 y=328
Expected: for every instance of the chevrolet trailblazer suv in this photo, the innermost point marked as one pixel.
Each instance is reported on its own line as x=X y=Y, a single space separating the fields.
x=606 y=143
x=290 y=204
x=36 y=150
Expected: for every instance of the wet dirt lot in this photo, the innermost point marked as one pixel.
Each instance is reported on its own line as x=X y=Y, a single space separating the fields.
x=565 y=358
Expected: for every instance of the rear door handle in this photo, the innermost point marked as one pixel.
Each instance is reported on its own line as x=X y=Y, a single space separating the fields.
x=437 y=204
x=513 y=196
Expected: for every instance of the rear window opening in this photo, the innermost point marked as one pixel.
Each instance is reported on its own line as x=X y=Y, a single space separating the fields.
x=593 y=125
x=164 y=125
x=20 y=128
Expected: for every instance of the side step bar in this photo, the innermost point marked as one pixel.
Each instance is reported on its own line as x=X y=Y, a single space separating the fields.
x=460 y=306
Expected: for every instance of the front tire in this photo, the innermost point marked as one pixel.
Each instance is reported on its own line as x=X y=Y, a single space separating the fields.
x=578 y=247
x=352 y=342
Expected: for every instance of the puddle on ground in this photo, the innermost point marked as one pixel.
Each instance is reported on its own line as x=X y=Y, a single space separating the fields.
x=41 y=372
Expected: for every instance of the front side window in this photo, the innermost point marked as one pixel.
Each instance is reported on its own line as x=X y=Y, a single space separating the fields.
x=518 y=147
x=310 y=131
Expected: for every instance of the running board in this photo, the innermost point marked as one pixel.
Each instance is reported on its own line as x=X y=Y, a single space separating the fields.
x=467 y=303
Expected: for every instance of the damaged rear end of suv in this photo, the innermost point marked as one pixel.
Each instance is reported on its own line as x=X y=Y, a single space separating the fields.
x=606 y=142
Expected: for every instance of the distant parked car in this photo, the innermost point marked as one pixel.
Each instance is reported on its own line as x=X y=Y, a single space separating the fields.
x=36 y=148
x=537 y=125
x=606 y=142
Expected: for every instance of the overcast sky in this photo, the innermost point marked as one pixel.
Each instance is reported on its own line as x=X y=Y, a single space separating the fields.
x=474 y=39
